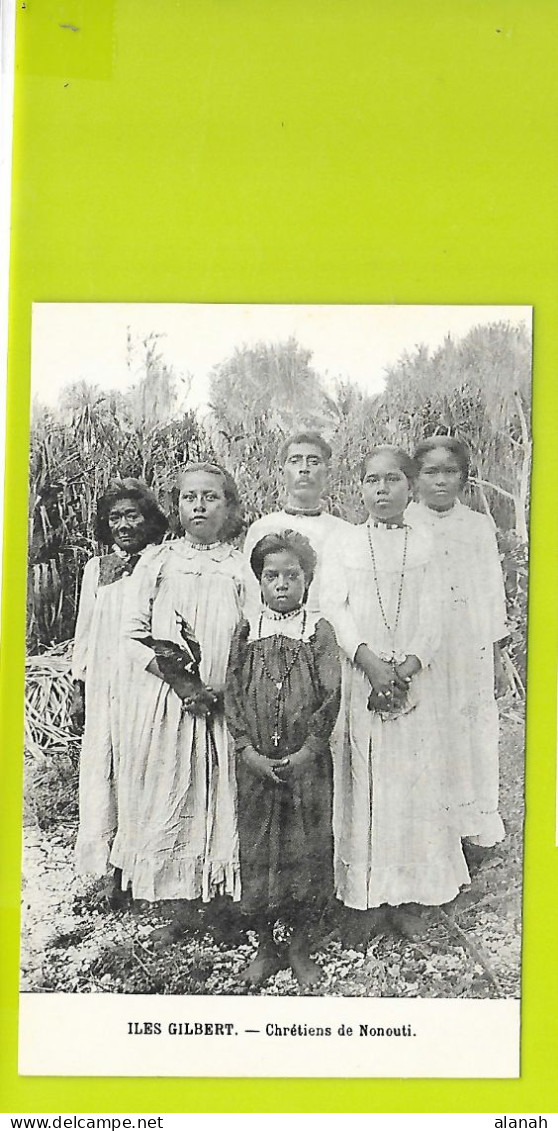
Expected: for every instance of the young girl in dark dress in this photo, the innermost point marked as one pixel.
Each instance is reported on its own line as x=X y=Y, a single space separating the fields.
x=282 y=699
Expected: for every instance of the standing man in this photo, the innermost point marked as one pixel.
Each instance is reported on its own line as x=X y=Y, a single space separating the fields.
x=305 y=458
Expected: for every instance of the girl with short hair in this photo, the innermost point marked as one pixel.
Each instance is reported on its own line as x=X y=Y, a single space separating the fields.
x=282 y=699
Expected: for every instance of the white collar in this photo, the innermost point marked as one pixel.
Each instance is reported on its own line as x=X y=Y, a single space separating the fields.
x=212 y=551
x=264 y=624
x=125 y=554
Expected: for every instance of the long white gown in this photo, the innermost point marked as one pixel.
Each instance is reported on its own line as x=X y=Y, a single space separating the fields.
x=394 y=842
x=474 y=618
x=99 y=661
x=177 y=833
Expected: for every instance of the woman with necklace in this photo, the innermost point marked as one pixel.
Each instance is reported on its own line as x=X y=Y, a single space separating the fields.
x=394 y=846
x=282 y=700
x=177 y=836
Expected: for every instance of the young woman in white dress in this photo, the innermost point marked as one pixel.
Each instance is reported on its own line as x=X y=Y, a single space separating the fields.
x=469 y=664
x=394 y=845
x=177 y=837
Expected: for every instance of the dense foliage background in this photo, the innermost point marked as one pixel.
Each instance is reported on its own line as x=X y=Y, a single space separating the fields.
x=477 y=387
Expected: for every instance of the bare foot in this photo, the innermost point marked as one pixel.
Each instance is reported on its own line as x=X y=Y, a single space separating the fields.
x=170 y=933
x=359 y=926
x=263 y=966
x=306 y=971
x=118 y=899
x=107 y=892
x=183 y=918
x=408 y=923
x=475 y=854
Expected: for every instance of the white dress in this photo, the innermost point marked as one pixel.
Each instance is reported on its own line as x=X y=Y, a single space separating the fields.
x=474 y=618
x=316 y=528
x=99 y=662
x=393 y=840
x=177 y=834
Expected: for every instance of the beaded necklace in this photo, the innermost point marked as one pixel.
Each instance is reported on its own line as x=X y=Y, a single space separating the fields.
x=391 y=630
x=385 y=525
x=202 y=545
x=308 y=512
x=271 y=614
x=442 y=514
x=280 y=683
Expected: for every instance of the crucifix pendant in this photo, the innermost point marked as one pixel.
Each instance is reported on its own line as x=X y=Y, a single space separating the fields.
x=276 y=737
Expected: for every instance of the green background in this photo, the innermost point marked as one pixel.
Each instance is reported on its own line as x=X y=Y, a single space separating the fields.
x=339 y=151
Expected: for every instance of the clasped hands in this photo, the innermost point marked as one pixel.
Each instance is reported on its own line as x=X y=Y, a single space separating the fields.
x=197 y=698
x=390 y=681
x=279 y=771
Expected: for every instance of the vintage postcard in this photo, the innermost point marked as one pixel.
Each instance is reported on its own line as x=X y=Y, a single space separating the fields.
x=275 y=690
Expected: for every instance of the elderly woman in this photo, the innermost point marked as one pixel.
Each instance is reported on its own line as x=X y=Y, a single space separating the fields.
x=128 y=520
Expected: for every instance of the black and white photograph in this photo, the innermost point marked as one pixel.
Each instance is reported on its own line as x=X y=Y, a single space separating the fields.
x=276 y=652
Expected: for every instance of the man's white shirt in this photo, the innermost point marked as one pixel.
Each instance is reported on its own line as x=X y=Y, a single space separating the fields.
x=317 y=528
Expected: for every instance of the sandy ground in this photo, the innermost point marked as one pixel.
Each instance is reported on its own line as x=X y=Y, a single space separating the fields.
x=72 y=941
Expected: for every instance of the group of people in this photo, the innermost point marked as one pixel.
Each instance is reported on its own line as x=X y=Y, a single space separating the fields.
x=310 y=717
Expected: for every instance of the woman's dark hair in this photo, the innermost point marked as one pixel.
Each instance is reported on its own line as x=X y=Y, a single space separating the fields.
x=138 y=492
x=406 y=464
x=457 y=448
x=281 y=542
x=234 y=521
x=305 y=438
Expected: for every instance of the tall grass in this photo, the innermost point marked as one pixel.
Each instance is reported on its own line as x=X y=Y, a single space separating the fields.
x=477 y=388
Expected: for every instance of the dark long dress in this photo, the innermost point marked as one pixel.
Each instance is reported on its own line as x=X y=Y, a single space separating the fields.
x=285 y=832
